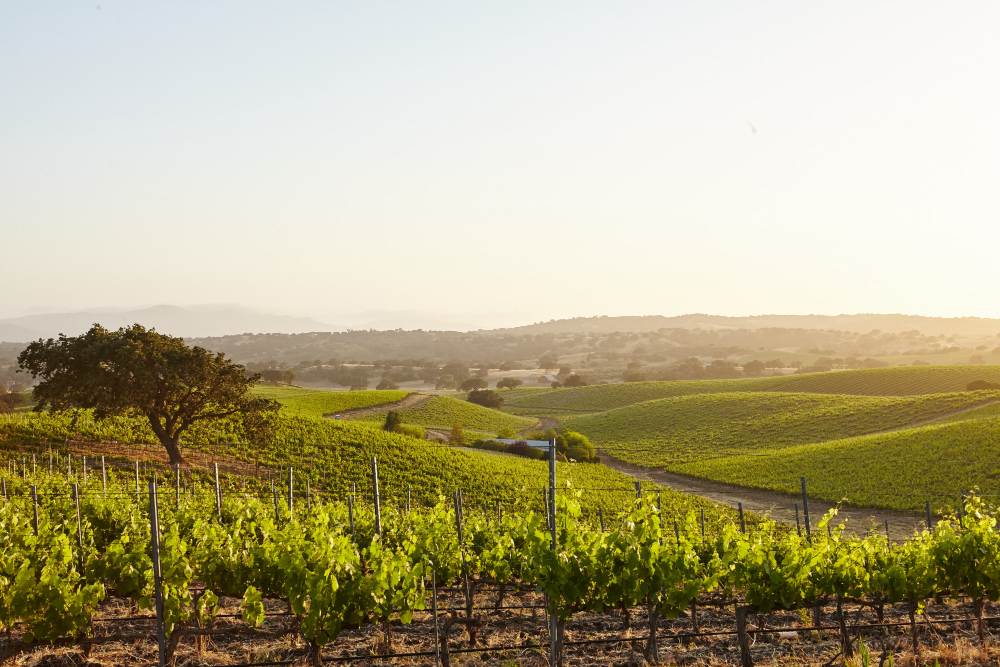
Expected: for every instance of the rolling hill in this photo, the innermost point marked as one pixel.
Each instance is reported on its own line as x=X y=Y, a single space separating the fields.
x=897 y=470
x=444 y=411
x=335 y=455
x=671 y=432
x=319 y=403
x=892 y=381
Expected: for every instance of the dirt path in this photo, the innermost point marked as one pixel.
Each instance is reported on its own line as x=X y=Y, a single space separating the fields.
x=408 y=401
x=778 y=506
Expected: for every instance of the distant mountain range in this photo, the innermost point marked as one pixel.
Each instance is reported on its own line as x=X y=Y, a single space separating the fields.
x=211 y=321
x=860 y=323
x=187 y=321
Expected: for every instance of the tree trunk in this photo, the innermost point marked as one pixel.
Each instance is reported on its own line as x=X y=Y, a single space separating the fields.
x=845 y=638
x=173 y=451
x=445 y=654
x=171 y=652
x=315 y=654
x=652 y=646
x=746 y=659
x=980 y=629
x=913 y=629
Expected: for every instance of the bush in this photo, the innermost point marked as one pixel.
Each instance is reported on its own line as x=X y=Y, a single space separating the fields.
x=485 y=397
x=392 y=421
x=519 y=448
x=522 y=448
x=457 y=436
x=576 y=446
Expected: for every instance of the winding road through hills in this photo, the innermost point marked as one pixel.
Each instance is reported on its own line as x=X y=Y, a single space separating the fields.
x=776 y=505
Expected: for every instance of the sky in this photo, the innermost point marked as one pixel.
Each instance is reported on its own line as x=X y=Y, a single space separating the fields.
x=497 y=163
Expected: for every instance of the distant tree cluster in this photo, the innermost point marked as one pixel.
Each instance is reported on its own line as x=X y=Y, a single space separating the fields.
x=849 y=363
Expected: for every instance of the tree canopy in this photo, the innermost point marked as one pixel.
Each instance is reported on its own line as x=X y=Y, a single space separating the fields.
x=139 y=371
x=509 y=383
x=485 y=397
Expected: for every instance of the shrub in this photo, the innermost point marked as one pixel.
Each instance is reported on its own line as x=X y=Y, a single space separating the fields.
x=392 y=421
x=576 y=446
x=485 y=397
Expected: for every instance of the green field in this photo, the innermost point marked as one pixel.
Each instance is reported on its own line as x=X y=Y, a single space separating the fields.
x=337 y=454
x=671 y=432
x=896 y=381
x=318 y=402
x=444 y=411
x=898 y=470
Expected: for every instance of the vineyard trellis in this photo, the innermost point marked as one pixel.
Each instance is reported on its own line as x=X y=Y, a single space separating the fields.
x=78 y=545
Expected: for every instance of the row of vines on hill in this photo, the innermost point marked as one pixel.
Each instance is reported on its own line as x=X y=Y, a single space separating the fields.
x=335 y=569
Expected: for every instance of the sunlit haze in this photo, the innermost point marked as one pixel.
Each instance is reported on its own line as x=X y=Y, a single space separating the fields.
x=471 y=164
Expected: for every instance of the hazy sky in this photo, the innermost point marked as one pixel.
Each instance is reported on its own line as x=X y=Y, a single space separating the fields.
x=495 y=163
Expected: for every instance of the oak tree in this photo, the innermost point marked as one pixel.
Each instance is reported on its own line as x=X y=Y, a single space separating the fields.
x=138 y=371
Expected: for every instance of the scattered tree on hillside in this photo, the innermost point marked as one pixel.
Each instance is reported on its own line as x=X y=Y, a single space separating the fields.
x=509 y=383
x=444 y=382
x=753 y=368
x=386 y=383
x=137 y=371
x=633 y=372
x=485 y=397
x=548 y=360
x=457 y=370
x=574 y=380
x=392 y=421
x=474 y=383
x=456 y=437
x=276 y=376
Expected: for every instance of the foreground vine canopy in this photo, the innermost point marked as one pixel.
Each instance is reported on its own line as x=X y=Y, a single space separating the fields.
x=328 y=563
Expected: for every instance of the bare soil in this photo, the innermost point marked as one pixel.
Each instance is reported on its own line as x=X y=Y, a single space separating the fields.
x=518 y=636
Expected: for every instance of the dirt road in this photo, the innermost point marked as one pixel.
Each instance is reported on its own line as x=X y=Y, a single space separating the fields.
x=778 y=506
x=408 y=401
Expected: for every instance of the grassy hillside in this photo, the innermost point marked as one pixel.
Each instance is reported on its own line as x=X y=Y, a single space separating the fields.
x=335 y=454
x=673 y=431
x=897 y=470
x=445 y=411
x=897 y=381
x=318 y=402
